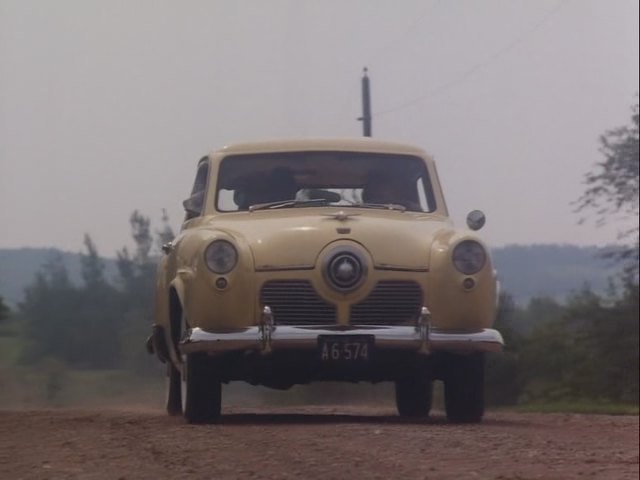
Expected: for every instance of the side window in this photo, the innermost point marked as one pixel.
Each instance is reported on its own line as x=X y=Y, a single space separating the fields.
x=194 y=205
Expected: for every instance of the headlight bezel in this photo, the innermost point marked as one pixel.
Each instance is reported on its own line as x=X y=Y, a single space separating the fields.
x=218 y=251
x=469 y=257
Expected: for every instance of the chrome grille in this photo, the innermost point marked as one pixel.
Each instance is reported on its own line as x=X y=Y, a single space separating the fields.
x=389 y=303
x=295 y=302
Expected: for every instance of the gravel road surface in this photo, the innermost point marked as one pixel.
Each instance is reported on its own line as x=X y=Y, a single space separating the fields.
x=313 y=443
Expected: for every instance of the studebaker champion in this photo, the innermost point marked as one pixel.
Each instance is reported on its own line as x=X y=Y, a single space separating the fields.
x=333 y=259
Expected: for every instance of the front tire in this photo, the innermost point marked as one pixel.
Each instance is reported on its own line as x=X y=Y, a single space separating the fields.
x=201 y=389
x=414 y=396
x=174 y=395
x=464 y=387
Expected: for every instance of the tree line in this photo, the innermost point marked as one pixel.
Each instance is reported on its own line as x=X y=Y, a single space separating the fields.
x=588 y=348
x=583 y=350
x=101 y=323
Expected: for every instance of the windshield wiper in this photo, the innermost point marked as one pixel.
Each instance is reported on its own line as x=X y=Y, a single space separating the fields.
x=289 y=203
x=381 y=206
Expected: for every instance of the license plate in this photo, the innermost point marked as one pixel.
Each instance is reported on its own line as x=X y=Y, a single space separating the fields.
x=345 y=348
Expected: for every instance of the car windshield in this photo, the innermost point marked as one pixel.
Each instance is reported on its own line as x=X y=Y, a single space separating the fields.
x=341 y=179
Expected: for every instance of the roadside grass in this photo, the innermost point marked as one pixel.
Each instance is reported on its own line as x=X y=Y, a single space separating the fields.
x=52 y=384
x=10 y=343
x=577 y=406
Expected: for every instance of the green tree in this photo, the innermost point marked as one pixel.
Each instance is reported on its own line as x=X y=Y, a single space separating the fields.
x=141 y=233
x=137 y=272
x=612 y=189
x=165 y=234
x=100 y=310
x=5 y=312
x=504 y=383
x=92 y=265
x=545 y=355
x=584 y=350
x=606 y=328
x=96 y=324
x=50 y=312
x=77 y=325
x=606 y=341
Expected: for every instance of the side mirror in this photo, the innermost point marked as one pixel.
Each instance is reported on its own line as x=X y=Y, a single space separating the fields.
x=476 y=220
x=193 y=204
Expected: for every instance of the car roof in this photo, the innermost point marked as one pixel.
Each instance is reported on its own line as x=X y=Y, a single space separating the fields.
x=356 y=144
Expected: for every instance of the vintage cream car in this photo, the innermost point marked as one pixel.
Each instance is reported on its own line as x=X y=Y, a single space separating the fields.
x=333 y=259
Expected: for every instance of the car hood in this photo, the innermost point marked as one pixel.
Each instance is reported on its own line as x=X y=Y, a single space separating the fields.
x=288 y=239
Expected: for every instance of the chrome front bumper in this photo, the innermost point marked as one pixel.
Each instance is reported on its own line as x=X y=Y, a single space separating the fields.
x=268 y=337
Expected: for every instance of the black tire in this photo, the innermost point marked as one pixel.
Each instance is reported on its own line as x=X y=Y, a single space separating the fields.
x=414 y=396
x=174 y=396
x=201 y=389
x=464 y=387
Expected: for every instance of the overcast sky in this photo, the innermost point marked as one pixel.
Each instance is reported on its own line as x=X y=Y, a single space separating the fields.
x=106 y=106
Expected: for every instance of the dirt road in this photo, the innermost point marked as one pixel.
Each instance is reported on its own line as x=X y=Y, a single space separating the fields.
x=315 y=443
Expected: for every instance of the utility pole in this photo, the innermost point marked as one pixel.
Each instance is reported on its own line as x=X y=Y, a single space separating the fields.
x=366 y=105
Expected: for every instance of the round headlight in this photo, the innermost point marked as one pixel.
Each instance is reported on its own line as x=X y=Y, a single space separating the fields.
x=220 y=256
x=469 y=257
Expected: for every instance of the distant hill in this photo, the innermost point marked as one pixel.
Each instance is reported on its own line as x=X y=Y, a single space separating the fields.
x=525 y=271
x=555 y=271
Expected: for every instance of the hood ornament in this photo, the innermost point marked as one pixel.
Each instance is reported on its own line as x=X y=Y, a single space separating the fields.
x=341 y=216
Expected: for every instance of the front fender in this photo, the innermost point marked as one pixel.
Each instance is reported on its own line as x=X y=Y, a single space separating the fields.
x=169 y=298
x=453 y=305
x=210 y=300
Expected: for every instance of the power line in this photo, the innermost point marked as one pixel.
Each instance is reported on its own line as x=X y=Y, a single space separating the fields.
x=418 y=21
x=387 y=45
x=469 y=72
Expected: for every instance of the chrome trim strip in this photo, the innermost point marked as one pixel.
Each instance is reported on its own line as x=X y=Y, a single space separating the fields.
x=306 y=337
x=284 y=268
x=399 y=268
